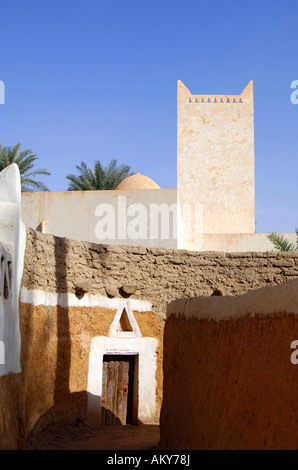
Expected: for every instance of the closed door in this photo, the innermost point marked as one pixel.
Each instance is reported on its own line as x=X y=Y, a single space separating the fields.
x=117 y=389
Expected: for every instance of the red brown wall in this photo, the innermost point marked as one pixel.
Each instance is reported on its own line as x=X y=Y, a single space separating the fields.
x=229 y=382
x=10 y=412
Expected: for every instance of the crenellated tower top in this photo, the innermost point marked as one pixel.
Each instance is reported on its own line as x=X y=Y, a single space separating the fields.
x=245 y=97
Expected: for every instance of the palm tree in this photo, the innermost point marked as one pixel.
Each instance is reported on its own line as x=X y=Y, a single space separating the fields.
x=281 y=243
x=25 y=161
x=99 y=178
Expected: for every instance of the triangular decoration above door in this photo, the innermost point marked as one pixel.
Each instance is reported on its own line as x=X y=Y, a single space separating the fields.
x=124 y=323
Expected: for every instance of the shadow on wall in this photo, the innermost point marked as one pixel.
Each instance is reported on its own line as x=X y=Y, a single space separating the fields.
x=69 y=413
x=54 y=378
x=63 y=332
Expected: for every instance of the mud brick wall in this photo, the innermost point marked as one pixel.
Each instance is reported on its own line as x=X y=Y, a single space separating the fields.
x=55 y=264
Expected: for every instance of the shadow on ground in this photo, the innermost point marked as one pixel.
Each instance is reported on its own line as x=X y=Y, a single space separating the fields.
x=83 y=437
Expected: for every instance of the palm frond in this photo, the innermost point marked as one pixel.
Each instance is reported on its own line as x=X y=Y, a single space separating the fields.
x=296 y=230
x=281 y=243
x=29 y=184
x=25 y=160
x=99 y=178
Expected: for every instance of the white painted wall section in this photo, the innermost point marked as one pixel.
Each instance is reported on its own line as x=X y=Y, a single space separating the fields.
x=12 y=249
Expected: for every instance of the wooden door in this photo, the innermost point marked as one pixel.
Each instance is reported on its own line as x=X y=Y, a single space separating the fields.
x=117 y=389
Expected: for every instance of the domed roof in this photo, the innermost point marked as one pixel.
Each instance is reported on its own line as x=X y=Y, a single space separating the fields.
x=137 y=181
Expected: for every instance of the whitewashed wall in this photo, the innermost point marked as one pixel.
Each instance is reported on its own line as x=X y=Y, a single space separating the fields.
x=12 y=249
x=115 y=217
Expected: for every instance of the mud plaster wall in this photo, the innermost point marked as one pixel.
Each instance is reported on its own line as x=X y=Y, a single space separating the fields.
x=61 y=336
x=55 y=355
x=159 y=275
x=232 y=384
x=10 y=412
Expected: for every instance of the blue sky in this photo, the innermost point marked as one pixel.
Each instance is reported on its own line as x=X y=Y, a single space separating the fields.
x=92 y=79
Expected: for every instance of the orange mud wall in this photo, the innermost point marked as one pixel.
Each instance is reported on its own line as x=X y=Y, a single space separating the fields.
x=229 y=382
x=56 y=339
x=56 y=345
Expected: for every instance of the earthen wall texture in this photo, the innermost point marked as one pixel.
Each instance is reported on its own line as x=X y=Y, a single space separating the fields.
x=10 y=412
x=231 y=385
x=56 y=344
x=55 y=264
x=56 y=340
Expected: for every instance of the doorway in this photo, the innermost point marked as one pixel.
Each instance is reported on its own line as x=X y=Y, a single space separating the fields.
x=143 y=351
x=117 y=399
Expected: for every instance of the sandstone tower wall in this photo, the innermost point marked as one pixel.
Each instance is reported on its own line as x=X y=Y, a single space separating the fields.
x=215 y=160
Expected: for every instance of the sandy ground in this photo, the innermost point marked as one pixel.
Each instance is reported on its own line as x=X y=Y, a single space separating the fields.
x=82 y=437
